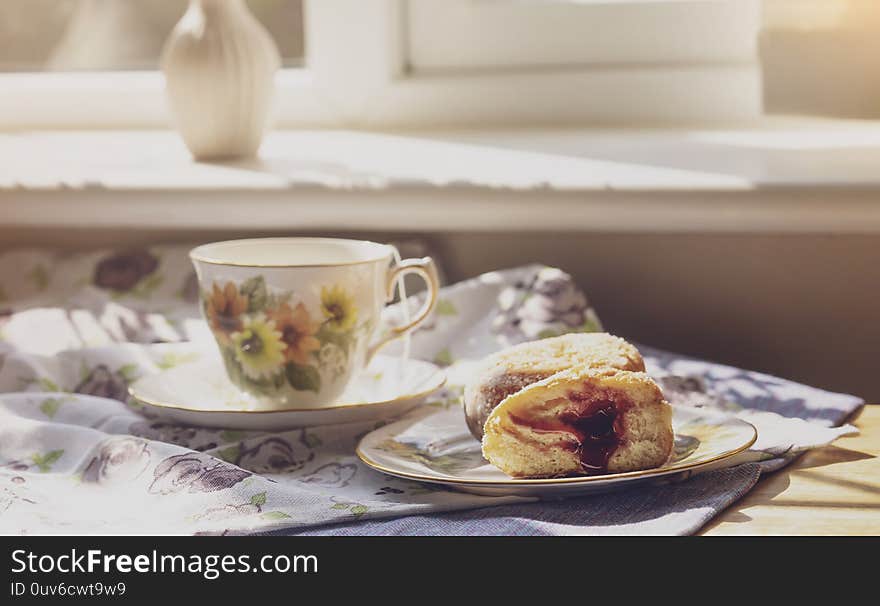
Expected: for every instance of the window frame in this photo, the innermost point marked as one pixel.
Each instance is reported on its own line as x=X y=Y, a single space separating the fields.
x=390 y=94
x=516 y=34
x=368 y=83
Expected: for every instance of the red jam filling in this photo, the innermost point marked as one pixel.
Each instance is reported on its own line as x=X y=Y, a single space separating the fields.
x=595 y=423
x=596 y=435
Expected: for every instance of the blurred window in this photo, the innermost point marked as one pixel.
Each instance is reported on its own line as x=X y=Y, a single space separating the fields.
x=419 y=60
x=822 y=57
x=118 y=35
x=821 y=14
x=460 y=35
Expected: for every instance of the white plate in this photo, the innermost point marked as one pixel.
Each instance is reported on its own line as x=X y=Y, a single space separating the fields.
x=200 y=394
x=436 y=447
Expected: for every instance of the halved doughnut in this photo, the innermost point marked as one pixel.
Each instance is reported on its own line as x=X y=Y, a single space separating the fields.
x=581 y=421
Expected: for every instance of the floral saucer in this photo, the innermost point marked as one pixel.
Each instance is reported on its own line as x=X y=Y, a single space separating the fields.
x=201 y=394
x=438 y=448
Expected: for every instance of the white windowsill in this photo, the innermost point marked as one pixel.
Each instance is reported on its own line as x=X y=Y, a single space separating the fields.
x=802 y=175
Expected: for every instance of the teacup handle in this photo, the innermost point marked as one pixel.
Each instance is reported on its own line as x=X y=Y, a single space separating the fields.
x=425 y=268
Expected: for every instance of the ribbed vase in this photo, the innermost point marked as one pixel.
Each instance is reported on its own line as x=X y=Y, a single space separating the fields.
x=219 y=64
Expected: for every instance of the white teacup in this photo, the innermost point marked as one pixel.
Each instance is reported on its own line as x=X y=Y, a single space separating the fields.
x=294 y=318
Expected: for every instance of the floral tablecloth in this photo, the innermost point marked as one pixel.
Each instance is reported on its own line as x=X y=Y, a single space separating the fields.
x=76 y=457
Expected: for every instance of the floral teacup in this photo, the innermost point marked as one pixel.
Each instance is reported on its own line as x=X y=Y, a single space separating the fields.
x=295 y=318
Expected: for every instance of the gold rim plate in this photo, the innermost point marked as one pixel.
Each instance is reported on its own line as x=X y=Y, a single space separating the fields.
x=685 y=464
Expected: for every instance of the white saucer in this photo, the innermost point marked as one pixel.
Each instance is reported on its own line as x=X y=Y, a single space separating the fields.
x=200 y=394
x=436 y=447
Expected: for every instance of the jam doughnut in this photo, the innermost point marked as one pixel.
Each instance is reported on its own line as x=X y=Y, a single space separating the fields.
x=581 y=421
x=512 y=369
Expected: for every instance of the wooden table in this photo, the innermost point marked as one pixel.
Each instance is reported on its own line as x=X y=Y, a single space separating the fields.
x=829 y=491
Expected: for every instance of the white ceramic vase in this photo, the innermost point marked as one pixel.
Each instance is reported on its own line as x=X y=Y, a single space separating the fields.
x=220 y=65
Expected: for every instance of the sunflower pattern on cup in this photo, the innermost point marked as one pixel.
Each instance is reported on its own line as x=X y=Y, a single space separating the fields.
x=338 y=308
x=223 y=309
x=297 y=332
x=269 y=343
